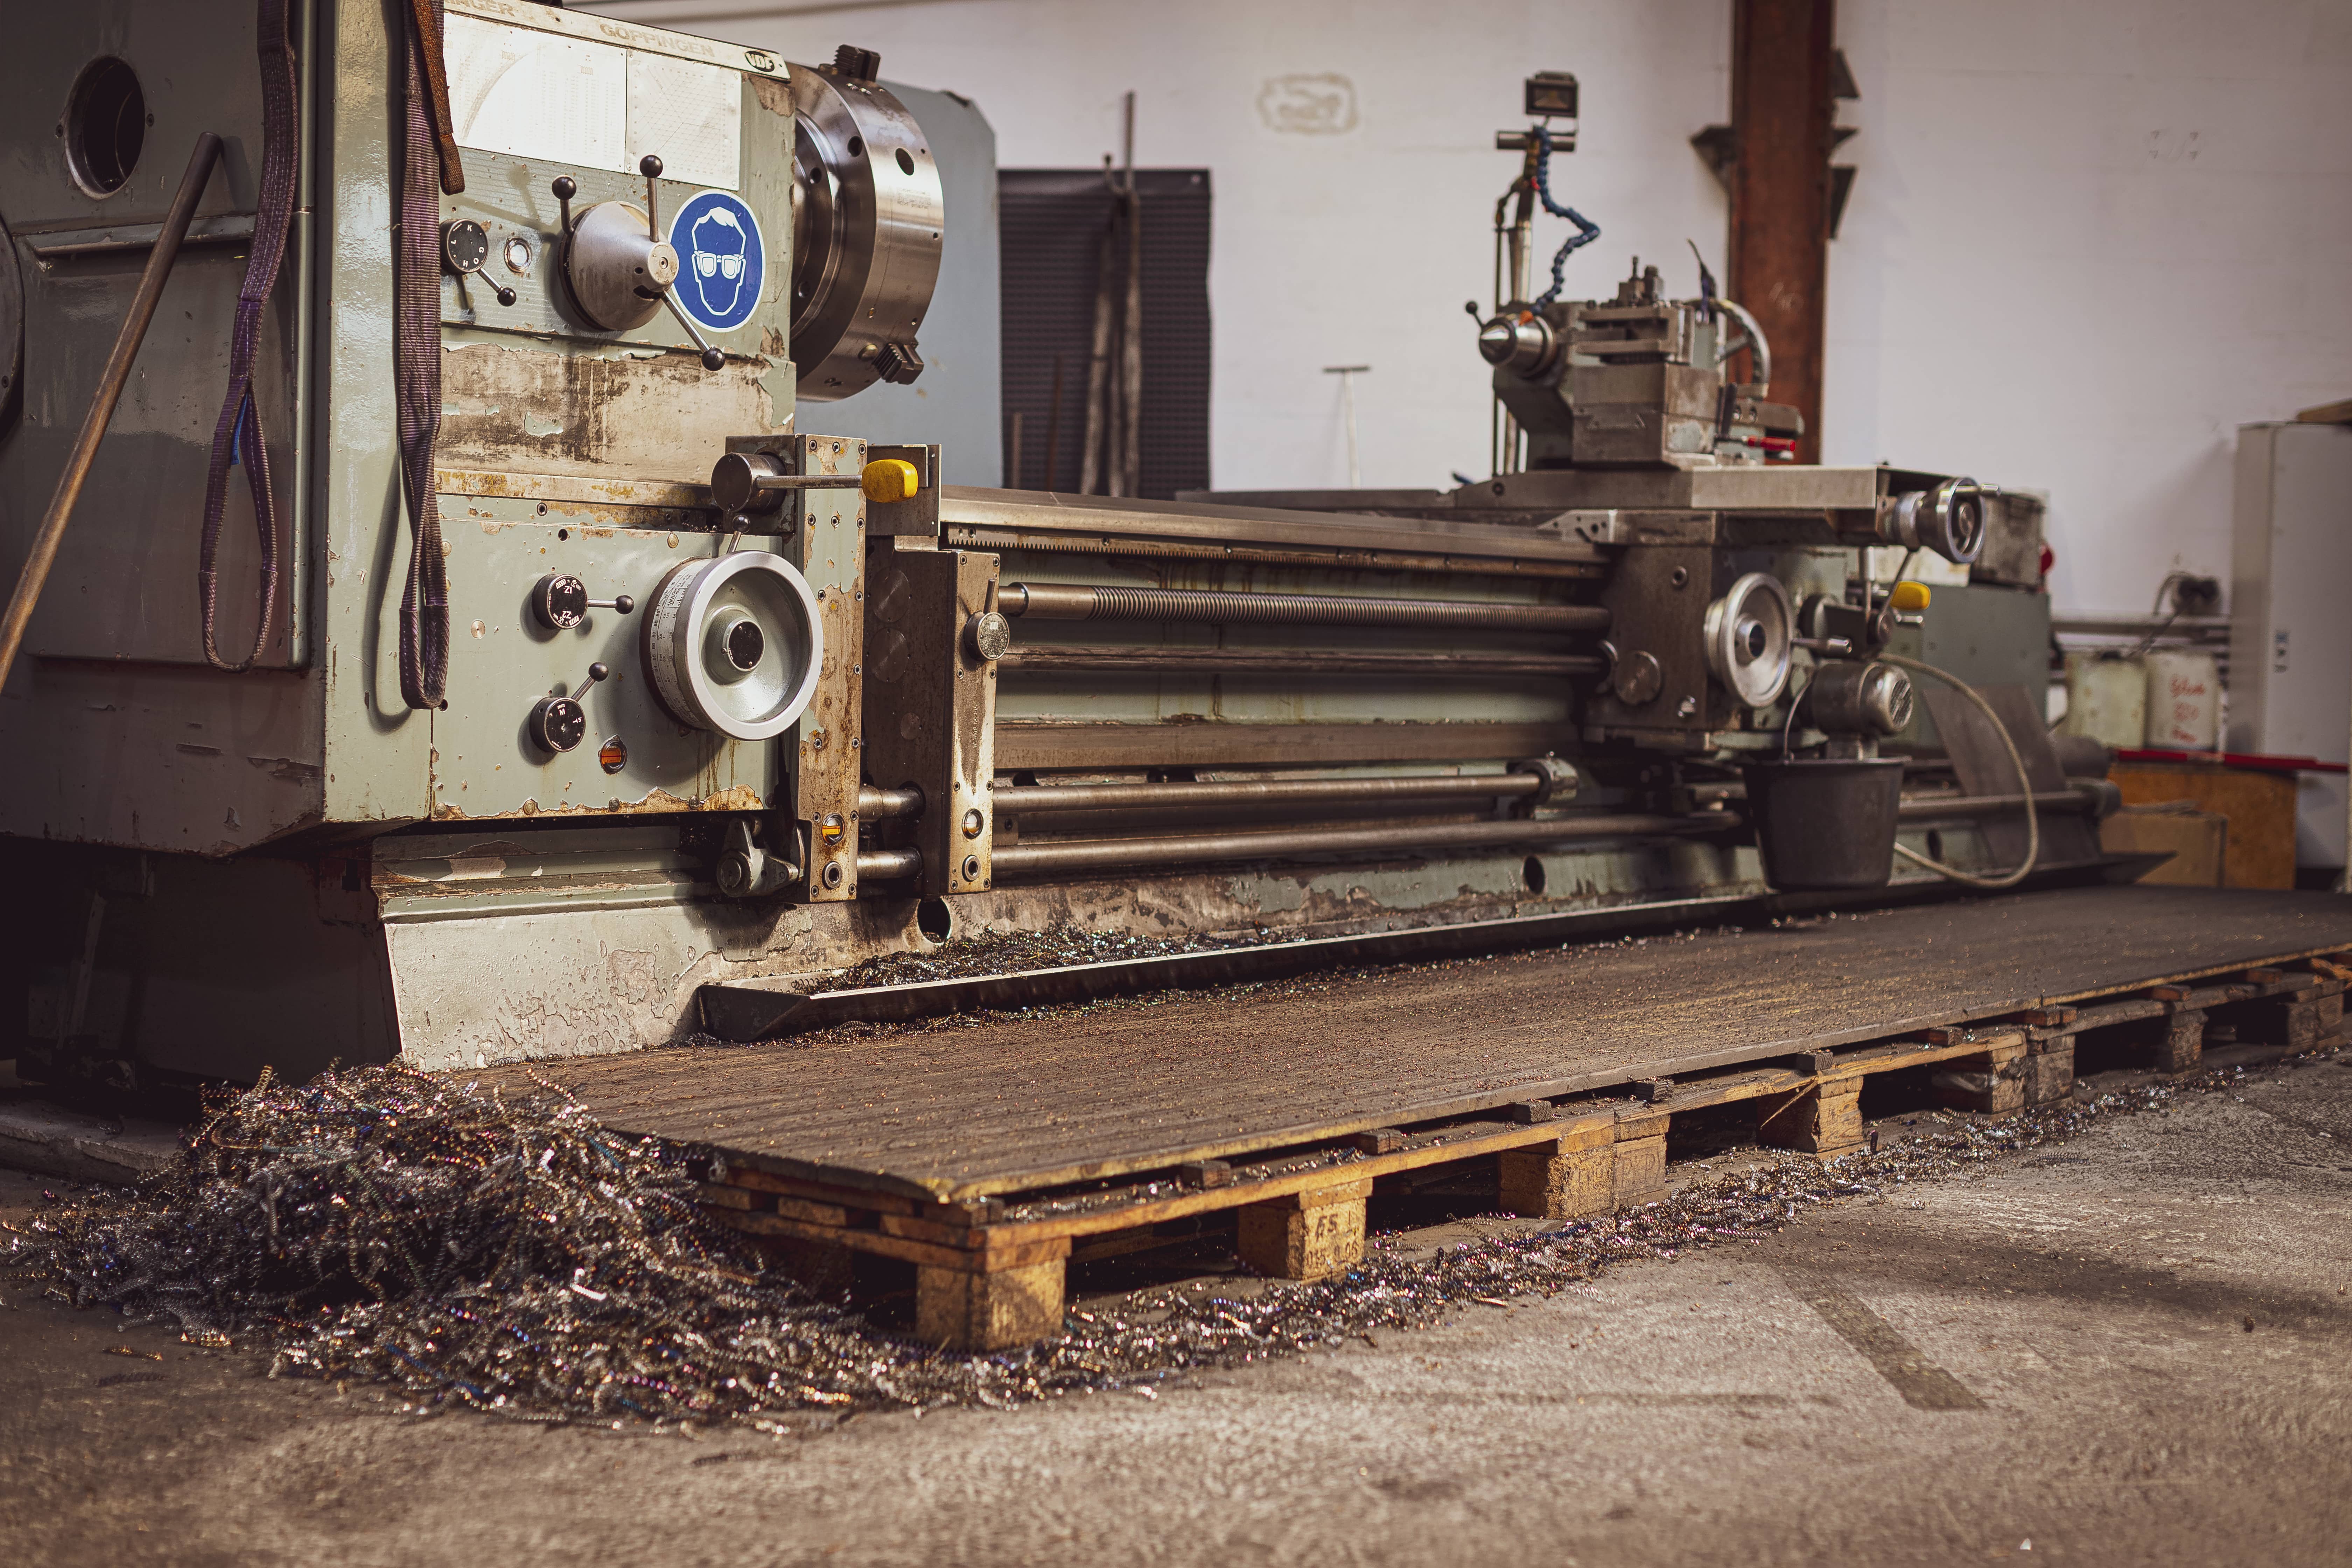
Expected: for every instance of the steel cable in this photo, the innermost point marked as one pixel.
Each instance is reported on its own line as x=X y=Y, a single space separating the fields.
x=2024 y=784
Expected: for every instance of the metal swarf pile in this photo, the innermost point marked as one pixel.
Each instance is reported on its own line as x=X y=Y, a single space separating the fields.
x=509 y=1254
x=1010 y=953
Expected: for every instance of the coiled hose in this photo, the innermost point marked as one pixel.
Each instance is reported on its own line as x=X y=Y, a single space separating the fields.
x=2024 y=787
x=1587 y=230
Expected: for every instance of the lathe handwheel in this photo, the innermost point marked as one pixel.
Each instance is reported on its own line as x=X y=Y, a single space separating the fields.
x=735 y=644
x=1747 y=640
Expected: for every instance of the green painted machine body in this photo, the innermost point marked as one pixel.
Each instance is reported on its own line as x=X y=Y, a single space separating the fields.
x=564 y=448
x=217 y=871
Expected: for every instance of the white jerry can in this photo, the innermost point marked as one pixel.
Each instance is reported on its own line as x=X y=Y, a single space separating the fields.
x=2107 y=699
x=2184 y=700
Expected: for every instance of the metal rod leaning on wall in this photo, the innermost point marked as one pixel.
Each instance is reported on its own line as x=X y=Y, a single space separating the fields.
x=36 y=574
x=1086 y=602
x=1128 y=466
x=1087 y=855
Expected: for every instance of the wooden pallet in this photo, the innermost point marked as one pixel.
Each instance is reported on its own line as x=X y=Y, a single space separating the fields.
x=990 y=1272
x=2294 y=1005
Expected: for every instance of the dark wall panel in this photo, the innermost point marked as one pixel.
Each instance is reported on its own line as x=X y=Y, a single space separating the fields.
x=1052 y=223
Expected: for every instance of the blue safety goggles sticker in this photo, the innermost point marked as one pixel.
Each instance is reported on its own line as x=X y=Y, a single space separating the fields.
x=721 y=260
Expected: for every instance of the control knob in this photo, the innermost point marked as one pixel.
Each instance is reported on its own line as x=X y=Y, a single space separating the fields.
x=465 y=246
x=558 y=723
x=560 y=601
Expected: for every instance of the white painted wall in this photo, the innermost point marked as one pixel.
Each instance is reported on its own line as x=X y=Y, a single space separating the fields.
x=2088 y=239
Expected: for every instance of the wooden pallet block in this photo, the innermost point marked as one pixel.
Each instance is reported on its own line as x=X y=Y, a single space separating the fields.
x=2049 y=1073
x=2298 y=1016
x=1573 y=1174
x=1305 y=1235
x=991 y=1309
x=1823 y=1120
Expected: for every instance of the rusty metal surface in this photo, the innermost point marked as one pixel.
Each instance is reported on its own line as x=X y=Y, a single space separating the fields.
x=931 y=706
x=829 y=548
x=1014 y=1104
x=1049 y=744
x=594 y=416
x=1103 y=517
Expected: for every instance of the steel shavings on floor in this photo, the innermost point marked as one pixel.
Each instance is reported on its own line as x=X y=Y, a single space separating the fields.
x=1012 y=952
x=506 y=1254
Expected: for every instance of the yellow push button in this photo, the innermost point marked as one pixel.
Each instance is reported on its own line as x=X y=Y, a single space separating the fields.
x=889 y=480
x=1908 y=598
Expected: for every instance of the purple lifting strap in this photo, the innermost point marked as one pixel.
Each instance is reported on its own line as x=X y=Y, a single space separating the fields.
x=238 y=437
x=416 y=351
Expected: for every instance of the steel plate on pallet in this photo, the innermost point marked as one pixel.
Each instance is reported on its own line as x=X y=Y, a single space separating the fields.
x=1013 y=1104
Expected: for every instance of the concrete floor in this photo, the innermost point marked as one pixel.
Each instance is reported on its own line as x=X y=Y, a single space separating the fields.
x=2134 y=1347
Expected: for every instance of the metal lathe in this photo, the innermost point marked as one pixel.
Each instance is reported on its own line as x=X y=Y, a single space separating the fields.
x=587 y=671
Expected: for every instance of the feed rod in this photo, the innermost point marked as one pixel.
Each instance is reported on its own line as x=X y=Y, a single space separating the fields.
x=874 y=804
x=36 y=574
x=1086 y=855
x=889 y=864
x=1301 y=661
x=1086 y=602
x=1015 y=800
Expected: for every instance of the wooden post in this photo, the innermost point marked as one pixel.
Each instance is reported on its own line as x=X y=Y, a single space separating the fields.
x=1567 y=1178
x=2049 y=1072
x=1305 y=1235
x=967 y=1310
x=1824 y=1119
x=2179 y=1041
x=1779 y=251
x=1640 y=1175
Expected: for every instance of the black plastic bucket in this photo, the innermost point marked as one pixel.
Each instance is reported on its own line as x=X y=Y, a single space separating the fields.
x=1825 y=823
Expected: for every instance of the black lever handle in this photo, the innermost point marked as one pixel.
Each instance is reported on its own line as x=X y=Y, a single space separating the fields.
x=466 y=247
x=650 y=166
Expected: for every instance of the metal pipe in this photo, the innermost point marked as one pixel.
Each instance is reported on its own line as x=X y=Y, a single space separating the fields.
x=44 y=555
x=1146 y=660
x=875 y=804
x=1345 y=557
x=1013 y=800
x=889 y=864
x=1084 y=602
x=2087 y=623
x=1940 y=808
x=1087 y=855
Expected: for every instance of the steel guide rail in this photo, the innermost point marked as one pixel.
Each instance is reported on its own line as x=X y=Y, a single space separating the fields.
x=745 y=1012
